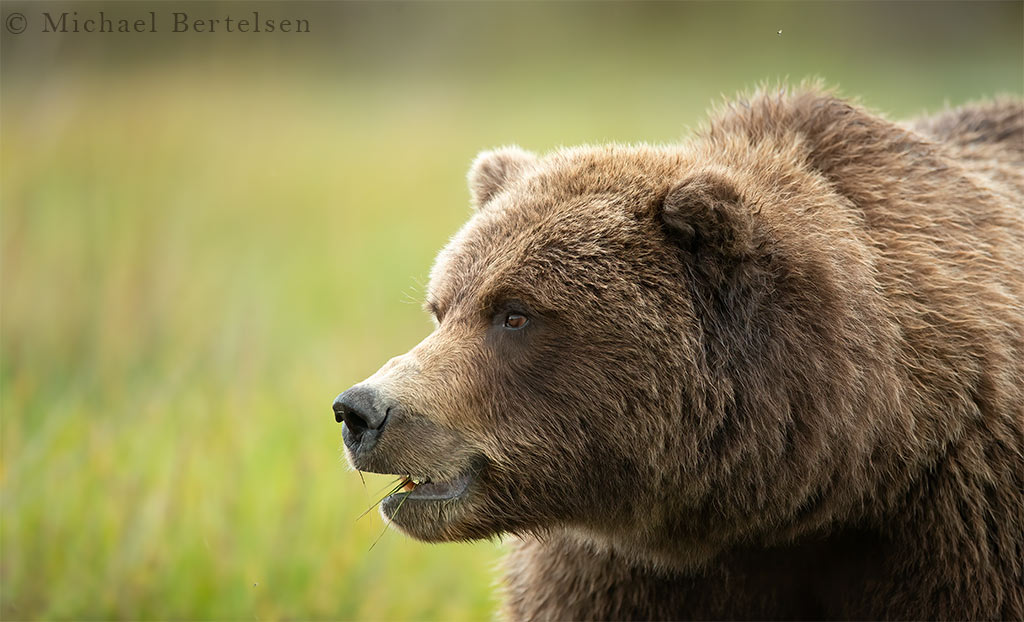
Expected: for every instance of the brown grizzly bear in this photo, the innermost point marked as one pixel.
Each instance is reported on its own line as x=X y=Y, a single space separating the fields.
x=776 y=371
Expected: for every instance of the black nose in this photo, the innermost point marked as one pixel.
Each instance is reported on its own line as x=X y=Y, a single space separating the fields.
x=364 y=412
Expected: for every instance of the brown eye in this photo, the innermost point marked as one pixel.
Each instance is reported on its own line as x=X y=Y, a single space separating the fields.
x=515 y=321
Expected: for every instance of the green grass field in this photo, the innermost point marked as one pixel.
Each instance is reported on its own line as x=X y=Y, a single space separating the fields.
x=198 y=255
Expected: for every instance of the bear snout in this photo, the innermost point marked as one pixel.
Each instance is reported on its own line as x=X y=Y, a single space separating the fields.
x=364 y=413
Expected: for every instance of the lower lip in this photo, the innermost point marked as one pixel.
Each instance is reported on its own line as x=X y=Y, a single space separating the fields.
x=454 y=489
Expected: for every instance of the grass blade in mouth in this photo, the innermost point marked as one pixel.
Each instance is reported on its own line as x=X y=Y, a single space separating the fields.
x=396 y=486
x=400 y=504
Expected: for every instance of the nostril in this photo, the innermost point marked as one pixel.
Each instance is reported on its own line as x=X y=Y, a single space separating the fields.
x=339 y=408
x=363 y=411
x=354 y=422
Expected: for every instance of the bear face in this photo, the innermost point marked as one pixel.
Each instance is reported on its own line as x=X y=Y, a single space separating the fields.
x=593 y=319
x=532 y=393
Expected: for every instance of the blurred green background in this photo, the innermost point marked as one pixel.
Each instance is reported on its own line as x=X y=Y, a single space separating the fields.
x=206 y=237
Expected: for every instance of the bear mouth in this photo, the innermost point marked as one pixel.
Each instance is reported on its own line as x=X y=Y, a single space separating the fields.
x=428 y=488
x=431 y=507
x=425 y=507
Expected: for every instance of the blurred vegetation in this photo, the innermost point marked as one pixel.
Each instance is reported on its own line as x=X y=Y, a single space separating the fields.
x=206 y=237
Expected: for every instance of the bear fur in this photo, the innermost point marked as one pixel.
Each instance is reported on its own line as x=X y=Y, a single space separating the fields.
x=776 y=371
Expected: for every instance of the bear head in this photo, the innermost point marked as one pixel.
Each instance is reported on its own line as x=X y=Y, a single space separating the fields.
x=631 y=345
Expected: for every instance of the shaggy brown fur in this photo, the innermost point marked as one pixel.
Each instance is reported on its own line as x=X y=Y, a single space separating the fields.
x=774 y=372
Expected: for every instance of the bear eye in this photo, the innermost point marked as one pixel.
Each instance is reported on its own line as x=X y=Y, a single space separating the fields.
x=515 y=321
x=435 y=310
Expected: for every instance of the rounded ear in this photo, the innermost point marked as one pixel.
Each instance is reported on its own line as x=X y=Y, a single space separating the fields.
x=705 y=214
x=493 y=170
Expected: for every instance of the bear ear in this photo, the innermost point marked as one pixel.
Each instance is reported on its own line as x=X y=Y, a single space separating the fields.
x=704 y=213
x=493 y=170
